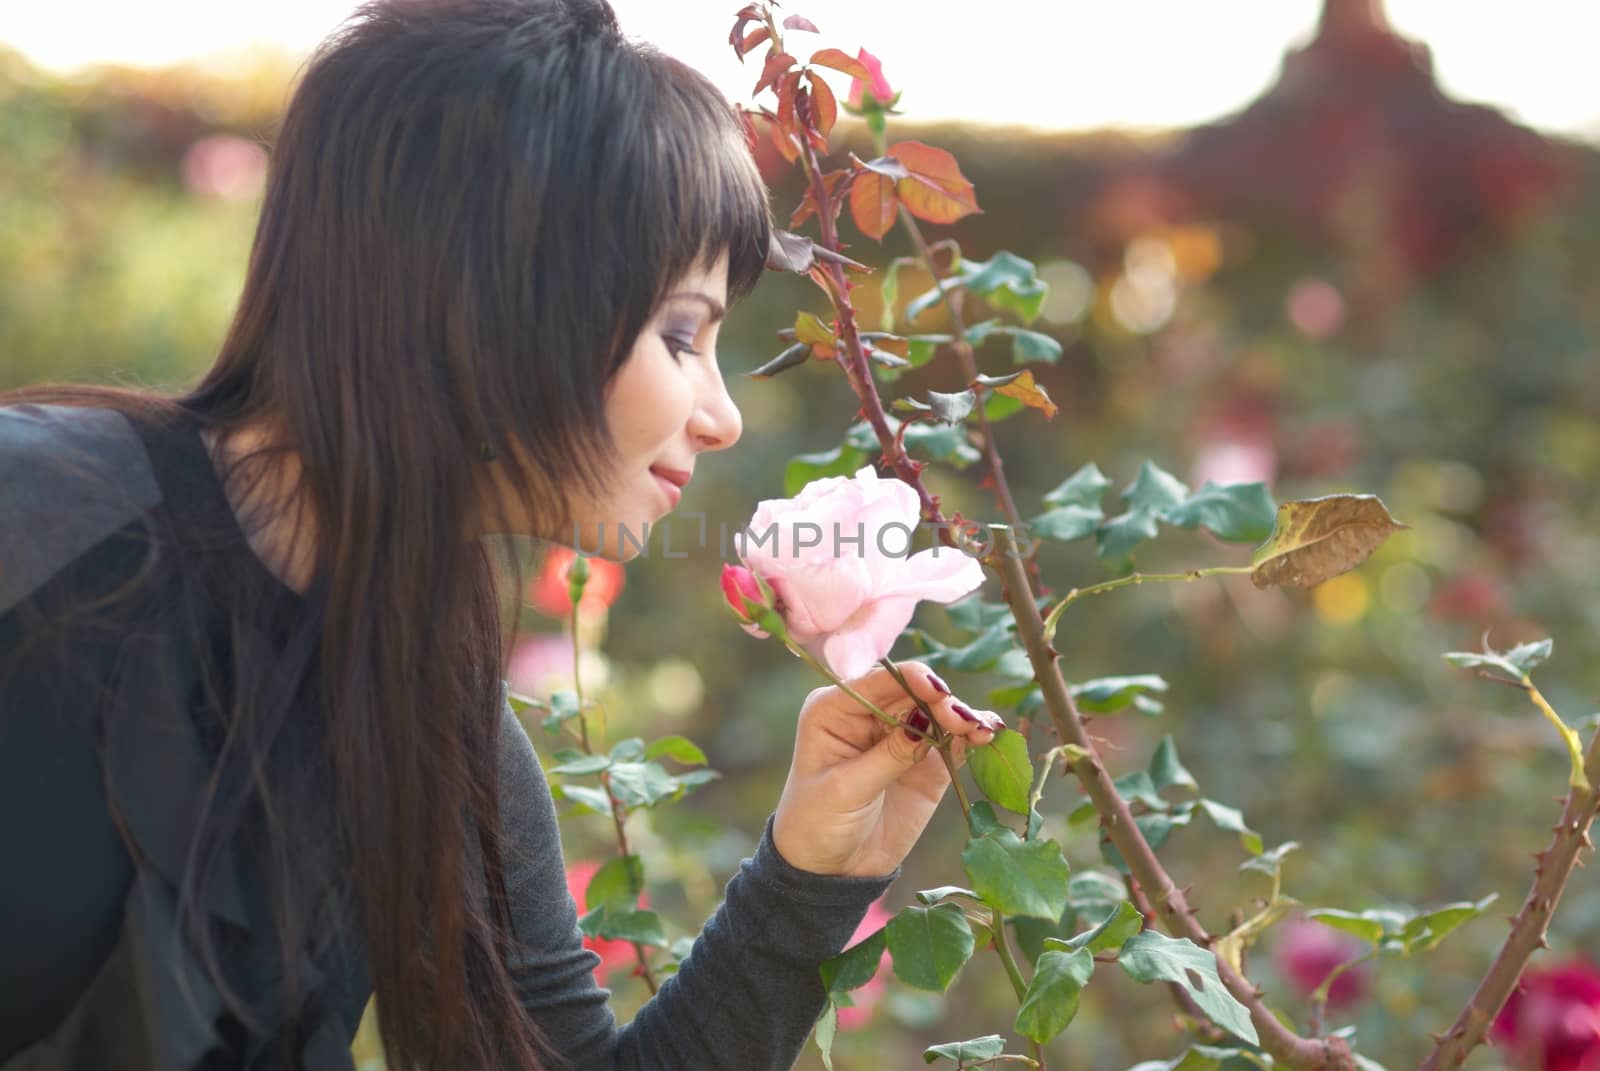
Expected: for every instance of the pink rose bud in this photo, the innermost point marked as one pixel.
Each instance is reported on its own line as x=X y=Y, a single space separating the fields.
x=745 y=598
x=882 y=95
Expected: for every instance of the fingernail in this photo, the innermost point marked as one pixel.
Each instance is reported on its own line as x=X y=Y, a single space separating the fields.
x=965 y=712
x=938 y=685
x=918 y=723
x=992 y=721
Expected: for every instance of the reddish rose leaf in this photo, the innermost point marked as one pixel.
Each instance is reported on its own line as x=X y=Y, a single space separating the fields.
x=747 y=123
x=824 y=102
x=873 y=203
x=887 y=166
x=777 y=63
x=748 y=13
x=800 y=22
x=751 y=40
x=786 y=88
x=1029 y=393
x=788 y=147
x=934 y=188
x=808 y=206
x=790 y=252
x=842 y=62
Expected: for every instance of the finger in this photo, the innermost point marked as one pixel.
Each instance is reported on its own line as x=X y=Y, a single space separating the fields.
x=890 y=758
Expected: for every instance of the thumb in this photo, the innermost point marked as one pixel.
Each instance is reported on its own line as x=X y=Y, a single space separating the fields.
x=888 y=760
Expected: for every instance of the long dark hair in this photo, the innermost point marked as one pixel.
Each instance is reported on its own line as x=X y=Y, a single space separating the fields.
x=473 y=208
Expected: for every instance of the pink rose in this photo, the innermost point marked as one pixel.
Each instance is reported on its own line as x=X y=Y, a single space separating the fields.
x=1551 y=1021
x=866 y=998
x=879 y=87
x=837 y=558
x=1307 y=952
x=743 y=593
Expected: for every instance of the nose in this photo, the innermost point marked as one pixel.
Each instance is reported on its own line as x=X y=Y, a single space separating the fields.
x=715 y=423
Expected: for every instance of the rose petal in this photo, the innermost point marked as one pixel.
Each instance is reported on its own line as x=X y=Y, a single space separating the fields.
x=854 y=648
x=940 y=574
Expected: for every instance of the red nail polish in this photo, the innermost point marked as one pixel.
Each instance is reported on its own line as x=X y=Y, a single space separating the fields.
x=964 y=711
x=918 y=722
x=938 y=685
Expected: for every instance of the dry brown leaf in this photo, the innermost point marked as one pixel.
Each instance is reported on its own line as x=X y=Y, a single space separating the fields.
x=1316 y=539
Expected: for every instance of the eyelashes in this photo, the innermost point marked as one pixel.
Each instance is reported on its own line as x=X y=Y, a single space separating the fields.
x=679 y=346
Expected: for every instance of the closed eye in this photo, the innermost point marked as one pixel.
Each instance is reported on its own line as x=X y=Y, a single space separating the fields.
x=678 y=346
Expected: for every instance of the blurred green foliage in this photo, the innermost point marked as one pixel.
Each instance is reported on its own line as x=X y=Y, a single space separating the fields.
x=1470 y=400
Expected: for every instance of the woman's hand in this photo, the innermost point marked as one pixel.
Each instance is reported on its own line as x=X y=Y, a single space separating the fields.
x=859 y=793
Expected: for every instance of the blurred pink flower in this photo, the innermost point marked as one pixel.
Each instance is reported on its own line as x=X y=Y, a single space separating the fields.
x=536 y=661
x=837 y=557
x=614 y=955
x=222 y=167
x=867 y=997
x=879 y=87
x=1551 y=1022
x=1315 y=308
x=1306 y=952
x=1250 y=461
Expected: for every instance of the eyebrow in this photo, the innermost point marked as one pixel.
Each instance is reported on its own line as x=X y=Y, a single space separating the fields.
x=717 y=309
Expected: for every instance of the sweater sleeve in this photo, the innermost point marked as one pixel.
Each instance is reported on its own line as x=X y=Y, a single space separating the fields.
x=745 y=999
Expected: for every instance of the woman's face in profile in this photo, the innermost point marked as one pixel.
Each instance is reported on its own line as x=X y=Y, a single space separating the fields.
x=666 y=405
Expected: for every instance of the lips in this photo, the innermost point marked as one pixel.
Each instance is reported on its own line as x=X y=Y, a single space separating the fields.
x=672 y=482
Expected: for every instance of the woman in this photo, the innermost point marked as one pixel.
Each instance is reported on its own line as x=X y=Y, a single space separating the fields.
x=255 y=761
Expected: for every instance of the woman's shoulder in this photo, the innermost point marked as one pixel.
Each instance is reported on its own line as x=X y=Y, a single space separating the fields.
x=70 y=477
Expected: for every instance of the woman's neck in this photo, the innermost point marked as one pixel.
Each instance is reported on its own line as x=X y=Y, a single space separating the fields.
x=267 y=500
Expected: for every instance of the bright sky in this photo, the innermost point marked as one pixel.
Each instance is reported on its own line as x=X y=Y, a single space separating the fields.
x=1067 y=64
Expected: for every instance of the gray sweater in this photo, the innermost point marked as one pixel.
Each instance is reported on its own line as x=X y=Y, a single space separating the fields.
x=93 y=969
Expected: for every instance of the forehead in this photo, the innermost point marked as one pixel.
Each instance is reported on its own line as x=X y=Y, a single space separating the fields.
x=705 y=276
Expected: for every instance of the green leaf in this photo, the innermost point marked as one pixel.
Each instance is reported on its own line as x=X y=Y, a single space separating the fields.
x=952 y=408
x=1110 y=935
x=1116 y=538
x=827 y=1027
x=1150 y=957
x=678 y=748
x=1370 y=929
x=840 y=461
x=980 y=654
x=1007 y=282
x=1051 y=1000
x=1003 y=770
x=972 y=614
x=962 y=1052
x=1083 y=488
x=889 y=288
x=929 y=945
x=586 y=797
x=1516 y=663
x=982 y=820
x=978 y=332
x=617 y=884
x=588 y=764
x=629 y=750
x=1270 y=863
x=1107 y=695
x=941 y=442
x=944 y=892
x=855 y=966
x=929 y=298
x=924 y=347
x=1165 y=769
x=1018 y=877
x=1232 y=820
x=1235 y=512
x=998 y=407
x=641 y=784
x=1066 y=524
x=639 y=927
x=1029 y=346
x=1155 y=489
x=1095 y=891
x=563 y=708
x=1426 y=931
x=1014 y=665
x=796 y=355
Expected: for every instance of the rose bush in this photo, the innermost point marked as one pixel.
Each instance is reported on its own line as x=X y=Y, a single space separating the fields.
x=837 y=558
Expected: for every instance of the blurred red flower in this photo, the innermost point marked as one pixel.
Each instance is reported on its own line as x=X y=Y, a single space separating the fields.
x=1551 y=1022
x=614 y=955
x=867 y=997
x=1306 y=953
x=547 y=592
